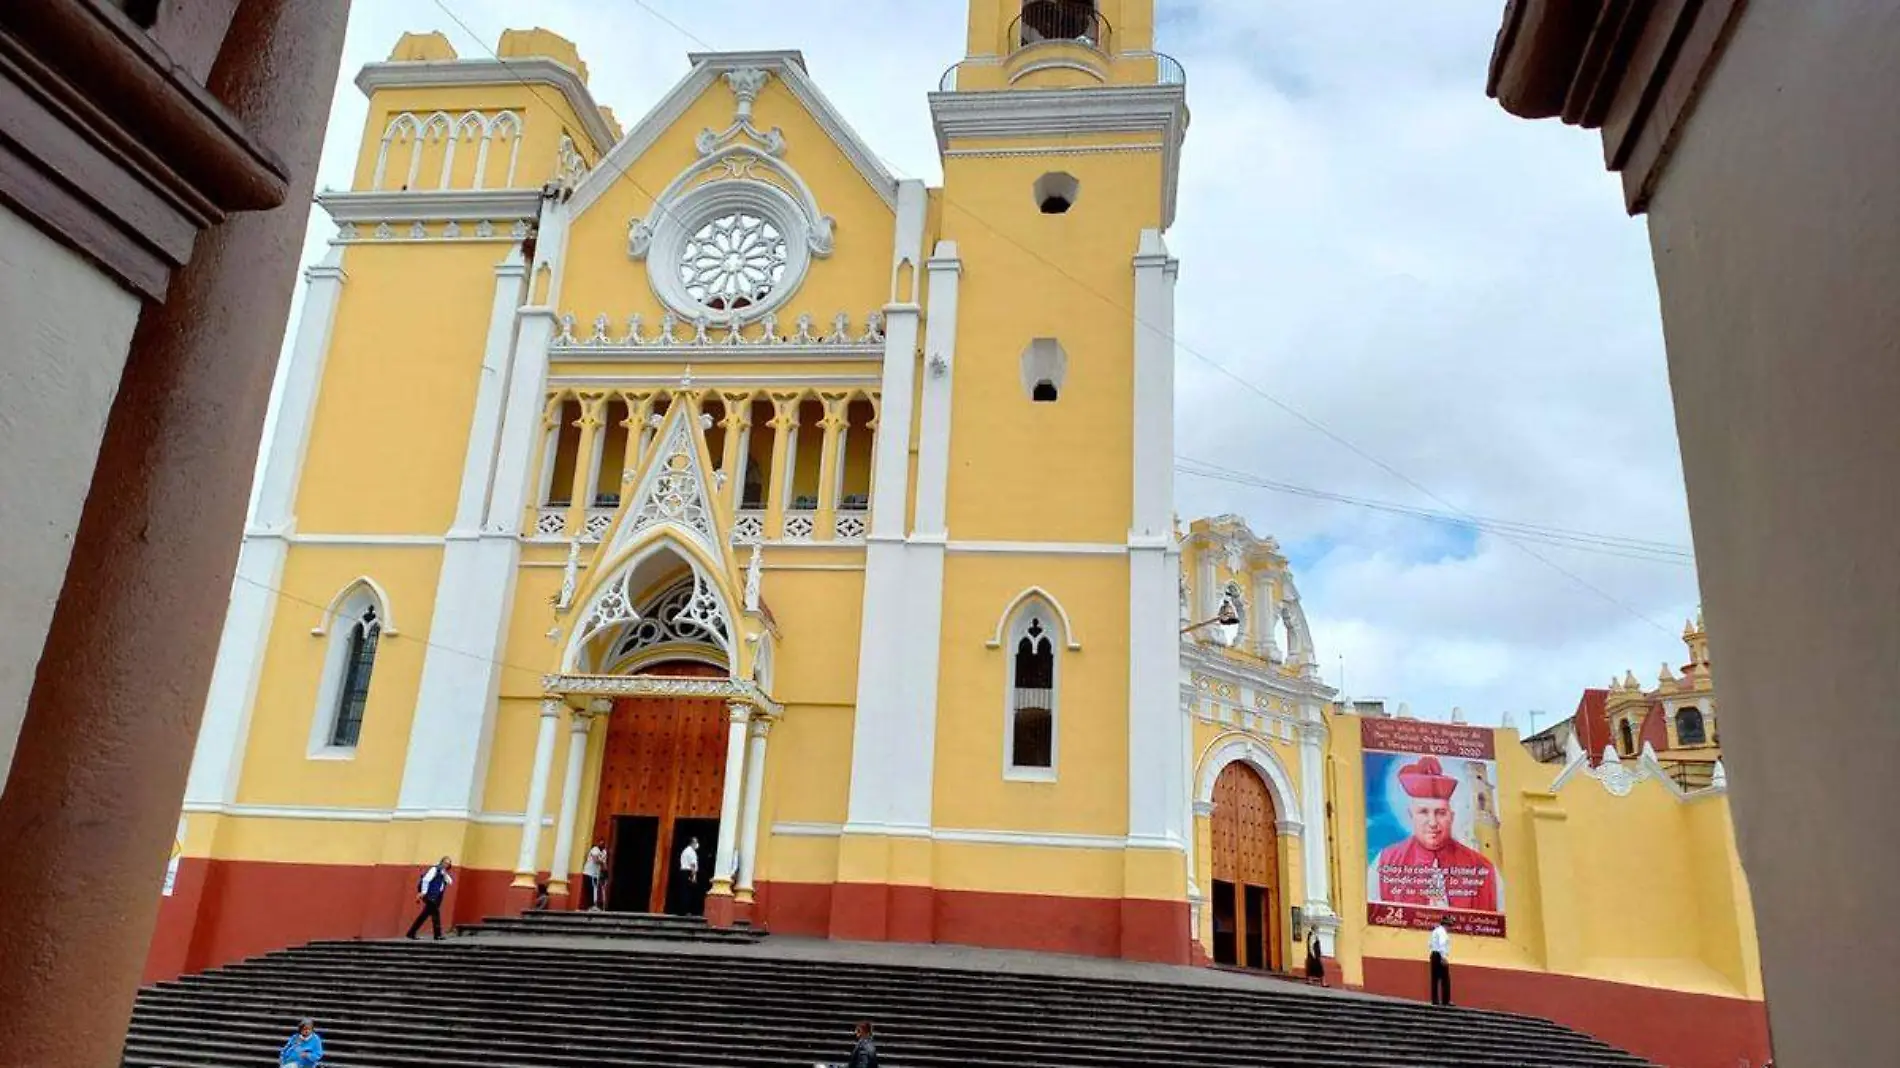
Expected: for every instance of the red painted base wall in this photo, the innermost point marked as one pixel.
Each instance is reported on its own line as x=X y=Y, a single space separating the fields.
x=223 y=911
x=1673 y=1029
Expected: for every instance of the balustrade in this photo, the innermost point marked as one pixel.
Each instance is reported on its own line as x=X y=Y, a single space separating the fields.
x=595 y=439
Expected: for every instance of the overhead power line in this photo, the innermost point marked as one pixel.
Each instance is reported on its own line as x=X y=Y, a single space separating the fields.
x=1519 y=540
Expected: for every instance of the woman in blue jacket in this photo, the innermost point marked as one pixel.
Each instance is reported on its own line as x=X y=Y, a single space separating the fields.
x=304 y=1049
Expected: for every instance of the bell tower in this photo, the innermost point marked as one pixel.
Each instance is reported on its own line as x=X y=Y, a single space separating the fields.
x=1045 y=437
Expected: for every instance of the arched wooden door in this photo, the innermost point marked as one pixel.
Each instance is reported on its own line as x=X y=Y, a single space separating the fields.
x=1246 y=890
x=662 y=778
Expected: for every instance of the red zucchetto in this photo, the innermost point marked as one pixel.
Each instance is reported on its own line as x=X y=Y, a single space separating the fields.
x=1427 y=778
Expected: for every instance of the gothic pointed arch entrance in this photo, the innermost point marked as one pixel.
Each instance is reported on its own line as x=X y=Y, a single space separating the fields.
x=1246 y=857
x=662 y=782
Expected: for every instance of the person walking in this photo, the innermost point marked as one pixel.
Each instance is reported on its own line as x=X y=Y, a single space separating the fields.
x=689 y=876
x=429 y=890
x=593 y=888
x=1440 y=945
x=864 y=1054
x=1315 y=958
x=304 y=1048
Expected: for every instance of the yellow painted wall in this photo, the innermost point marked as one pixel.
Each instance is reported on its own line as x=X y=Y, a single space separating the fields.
x=1057 y=471
x=390 y=431
x=1635 y=889
x=1092 y=697
x=601 y=278
x=277 y=768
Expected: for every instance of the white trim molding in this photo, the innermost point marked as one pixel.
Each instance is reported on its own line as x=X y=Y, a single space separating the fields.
x=1071 y=642
x=1234 y=747
x=345 y=593
x=708 y=68
x=525 y=70
x=1050 y=113
x=1038 y=548
x=432 y=205
x=958 y=836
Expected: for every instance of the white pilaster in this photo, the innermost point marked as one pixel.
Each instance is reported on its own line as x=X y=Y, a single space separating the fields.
x=454 y=721
x=739 y=713
x=528 y=860
x=754 y=794
x=940 y=362
x=894 y=731
x=1315 y=865
x=1156 y=816
x=297 y=403
x=478 y=466
x=562 y=862
x=218 y=760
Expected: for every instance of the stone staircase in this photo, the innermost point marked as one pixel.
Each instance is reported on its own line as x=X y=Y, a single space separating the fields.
x=570 y=990
x=647 y=926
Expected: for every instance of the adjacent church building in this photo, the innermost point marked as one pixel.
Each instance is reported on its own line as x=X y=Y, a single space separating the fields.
x=704 y=481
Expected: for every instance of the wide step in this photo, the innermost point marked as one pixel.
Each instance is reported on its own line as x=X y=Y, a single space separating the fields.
x=569 y=990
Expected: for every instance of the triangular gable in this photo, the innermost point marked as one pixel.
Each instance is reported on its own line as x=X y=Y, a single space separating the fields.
x=675 y=499
x=708 y=69
x=674 y=487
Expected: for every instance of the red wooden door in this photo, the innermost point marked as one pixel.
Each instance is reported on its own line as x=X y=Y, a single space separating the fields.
x=665 y=757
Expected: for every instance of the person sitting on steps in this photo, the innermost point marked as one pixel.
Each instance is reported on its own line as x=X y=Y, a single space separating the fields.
x=304 y=1049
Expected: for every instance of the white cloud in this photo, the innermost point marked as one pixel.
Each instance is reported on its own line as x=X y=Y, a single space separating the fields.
x=1366 y=237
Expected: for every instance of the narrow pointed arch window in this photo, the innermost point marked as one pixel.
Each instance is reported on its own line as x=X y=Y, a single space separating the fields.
x=1030 y=734
x=359 y=663
x=355 y=628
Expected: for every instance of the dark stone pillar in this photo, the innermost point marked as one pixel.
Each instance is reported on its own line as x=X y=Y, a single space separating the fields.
x=91 y=804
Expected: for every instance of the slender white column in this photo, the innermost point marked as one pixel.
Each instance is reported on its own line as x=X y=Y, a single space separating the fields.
x=218 y=759
x=1314 y=862
x=447 y=760
x=297 y=402
x=528 y=861
x=577 y=727
x=940 y=362
x=738 y=714
x=754 y=794
x=484 y=432
x=1156 y=728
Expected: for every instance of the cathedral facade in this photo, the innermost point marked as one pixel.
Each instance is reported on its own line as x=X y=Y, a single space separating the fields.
x=704 y=481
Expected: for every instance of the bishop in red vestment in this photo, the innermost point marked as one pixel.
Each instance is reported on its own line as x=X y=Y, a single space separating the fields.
x=1432 y=868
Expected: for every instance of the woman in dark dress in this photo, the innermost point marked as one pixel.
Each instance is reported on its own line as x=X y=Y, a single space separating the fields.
x=1315 y=958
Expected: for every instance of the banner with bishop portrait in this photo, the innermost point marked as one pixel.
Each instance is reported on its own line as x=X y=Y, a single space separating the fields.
x=1432 y=826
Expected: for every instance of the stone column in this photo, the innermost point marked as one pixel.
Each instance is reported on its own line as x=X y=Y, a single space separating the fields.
x=754 y=793
x=579 y=722
x=90 y=807
x=826 y=521
x=528 y=861
x=1314 y=864
x=732 y=457
x=784 y=430
x=586 y=462
x=719 y=899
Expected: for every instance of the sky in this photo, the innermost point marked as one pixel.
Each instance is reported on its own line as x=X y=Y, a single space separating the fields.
x=1390 y=291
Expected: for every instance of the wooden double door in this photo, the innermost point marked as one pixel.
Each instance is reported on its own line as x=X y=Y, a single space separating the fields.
x=1245 y=896
x=662 y=780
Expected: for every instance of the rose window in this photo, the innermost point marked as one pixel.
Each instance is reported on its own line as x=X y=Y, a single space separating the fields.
x=733 y=262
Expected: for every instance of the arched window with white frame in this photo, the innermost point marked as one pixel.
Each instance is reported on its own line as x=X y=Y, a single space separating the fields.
x=355 y=624
x=1030 y=737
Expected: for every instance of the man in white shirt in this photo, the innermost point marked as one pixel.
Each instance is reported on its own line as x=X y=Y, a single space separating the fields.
x=1440 y=945
x=689 y=869
x=594 y=890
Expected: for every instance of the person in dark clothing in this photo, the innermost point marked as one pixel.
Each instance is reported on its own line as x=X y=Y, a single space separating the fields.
x=1315 y=958
x=864 y=1054
x=429 y=890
